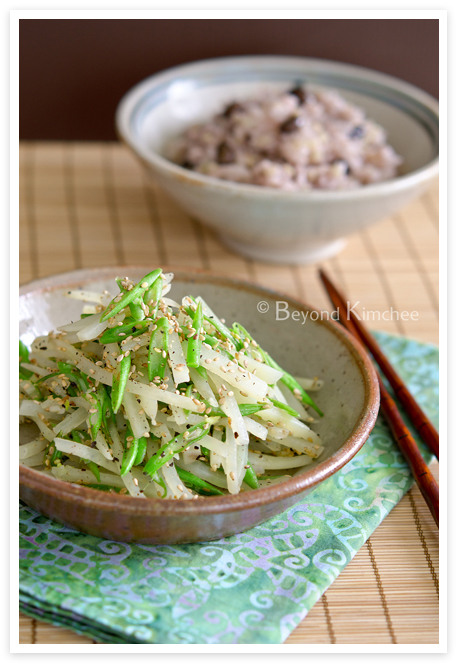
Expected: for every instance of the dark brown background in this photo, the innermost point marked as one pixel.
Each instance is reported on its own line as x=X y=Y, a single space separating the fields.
x=74 y=72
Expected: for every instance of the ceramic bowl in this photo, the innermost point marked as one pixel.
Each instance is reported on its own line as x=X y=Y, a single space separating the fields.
x=261 y=222
x=349 y=399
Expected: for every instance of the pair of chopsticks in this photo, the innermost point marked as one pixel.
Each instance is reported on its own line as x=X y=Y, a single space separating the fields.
x=419 y=469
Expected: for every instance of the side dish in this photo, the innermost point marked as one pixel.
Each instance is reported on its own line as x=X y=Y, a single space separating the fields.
x=154 y=398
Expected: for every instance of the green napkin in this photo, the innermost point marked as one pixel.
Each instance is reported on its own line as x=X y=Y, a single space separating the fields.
x=254 y=587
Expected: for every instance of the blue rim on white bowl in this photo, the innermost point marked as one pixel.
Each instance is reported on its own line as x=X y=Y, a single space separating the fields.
x=178 y=90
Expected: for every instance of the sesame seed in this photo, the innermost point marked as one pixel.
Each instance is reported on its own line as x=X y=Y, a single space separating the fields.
x=136 y=482
x=144 y=285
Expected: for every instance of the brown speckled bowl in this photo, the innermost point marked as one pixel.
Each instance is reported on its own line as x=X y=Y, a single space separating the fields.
x=349 y=399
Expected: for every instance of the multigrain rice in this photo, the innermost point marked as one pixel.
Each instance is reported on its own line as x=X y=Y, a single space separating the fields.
x=296 y=140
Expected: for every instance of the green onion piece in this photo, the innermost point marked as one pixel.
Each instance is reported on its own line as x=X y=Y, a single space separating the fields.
x=57 y=454
x=74 y=375
x=245 y=409
x=95 y=419
x=93 y=467
x=175 y=445
x=194 y=343
x=158 y=340
x=250 y=478
x=24 y=358
x=118 y=333
x=71 y=373
x=285 y=407
x=136 y=310
x=287 y=378
x=159 y=480
x=212 y=341
x=193 y=482
x=218 y=325
x=129 y=296
x=119 y=380
x=188 y=393
x=44 y=378
x=154 y=293
x=129 y=457
x=202 y=372
x=141 y=450
x=77 y=436
x=291 y=383
x=137 y=313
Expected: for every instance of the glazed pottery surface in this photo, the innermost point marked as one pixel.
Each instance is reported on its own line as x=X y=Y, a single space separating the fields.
x=300 y=338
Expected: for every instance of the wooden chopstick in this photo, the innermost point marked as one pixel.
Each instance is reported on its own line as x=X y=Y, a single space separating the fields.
x=420 y=420
x=418 y=467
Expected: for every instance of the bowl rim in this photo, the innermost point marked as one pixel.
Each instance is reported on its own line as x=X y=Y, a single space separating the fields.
x=127 y=107
x=104 y=501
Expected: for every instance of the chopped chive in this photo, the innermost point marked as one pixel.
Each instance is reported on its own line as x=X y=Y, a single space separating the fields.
x=158 y=340
x=119 y=381
x=250 y=477
x=129 y=457
x=175 y=445
x=285 y=407
x=194 y=343
x=141 y=450
x=154 y=293
x=193 y=482
x=129 y=296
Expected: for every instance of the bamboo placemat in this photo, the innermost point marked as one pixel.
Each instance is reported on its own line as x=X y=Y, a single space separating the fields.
x=86 y=205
